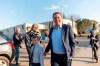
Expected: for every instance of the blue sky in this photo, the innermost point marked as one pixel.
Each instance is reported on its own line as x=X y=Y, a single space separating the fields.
x=15 y=12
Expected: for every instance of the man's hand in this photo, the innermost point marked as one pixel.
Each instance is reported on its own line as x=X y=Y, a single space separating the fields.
x=45 y=53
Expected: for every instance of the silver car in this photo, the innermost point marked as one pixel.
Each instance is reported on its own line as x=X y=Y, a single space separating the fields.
x=7 y=50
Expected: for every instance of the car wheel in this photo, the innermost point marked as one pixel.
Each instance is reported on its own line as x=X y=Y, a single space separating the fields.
x=4 y=61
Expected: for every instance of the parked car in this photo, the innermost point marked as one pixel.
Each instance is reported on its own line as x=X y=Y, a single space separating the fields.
x=7 y=50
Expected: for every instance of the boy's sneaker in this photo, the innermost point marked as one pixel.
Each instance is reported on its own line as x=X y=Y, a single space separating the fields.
x=17 y=63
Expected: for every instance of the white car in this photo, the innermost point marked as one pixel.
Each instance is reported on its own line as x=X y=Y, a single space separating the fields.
x=7 y=51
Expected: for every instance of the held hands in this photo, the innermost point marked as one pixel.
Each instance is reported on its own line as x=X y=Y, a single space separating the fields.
x=70 y=58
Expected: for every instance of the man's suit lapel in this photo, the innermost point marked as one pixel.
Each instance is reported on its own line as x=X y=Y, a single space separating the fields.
x=63 y=33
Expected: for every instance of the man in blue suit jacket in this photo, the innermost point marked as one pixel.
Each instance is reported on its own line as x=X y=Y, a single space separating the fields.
x=61 y=42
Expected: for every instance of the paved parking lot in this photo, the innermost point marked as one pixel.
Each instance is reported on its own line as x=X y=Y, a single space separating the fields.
x=82 y=57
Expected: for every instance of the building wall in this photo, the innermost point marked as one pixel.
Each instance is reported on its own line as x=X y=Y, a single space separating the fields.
x=47 y=24
x=42 y=27
x=98 y=27
x=11 y=32
x=73 y=25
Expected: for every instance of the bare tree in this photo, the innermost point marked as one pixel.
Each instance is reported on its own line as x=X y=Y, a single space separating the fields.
x=73 y=17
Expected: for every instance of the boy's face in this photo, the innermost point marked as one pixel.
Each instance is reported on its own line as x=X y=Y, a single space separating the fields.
x=35 y=41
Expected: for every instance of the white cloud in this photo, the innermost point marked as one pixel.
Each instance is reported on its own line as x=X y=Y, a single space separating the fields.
x=54 y=7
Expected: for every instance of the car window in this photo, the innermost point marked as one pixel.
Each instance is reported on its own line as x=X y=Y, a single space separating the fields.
x=4 y=38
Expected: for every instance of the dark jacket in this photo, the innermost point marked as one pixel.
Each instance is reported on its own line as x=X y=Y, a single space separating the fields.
x=92 y=41
x=67 y=38
x=15 y=40
x=27 y=39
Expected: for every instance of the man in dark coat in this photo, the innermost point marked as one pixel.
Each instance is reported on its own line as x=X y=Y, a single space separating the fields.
x=17 y=39
x=94 y=41
x=61 y=42
x=27 y=40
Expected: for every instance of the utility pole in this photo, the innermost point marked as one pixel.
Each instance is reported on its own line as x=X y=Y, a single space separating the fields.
x=61 y=6
x=72 y=21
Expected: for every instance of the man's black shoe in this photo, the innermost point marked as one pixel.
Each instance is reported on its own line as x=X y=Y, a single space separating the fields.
x=17 y=63
x=96 y=60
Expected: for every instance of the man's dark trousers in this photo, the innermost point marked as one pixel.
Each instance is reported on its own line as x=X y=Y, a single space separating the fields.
x=95 y=48
x=60 y=60
x=28 y=51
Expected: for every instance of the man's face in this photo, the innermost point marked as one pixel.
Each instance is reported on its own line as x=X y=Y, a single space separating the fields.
x=93 y=31
x=28 y=29
x=18 y=30
x=35 y=41
x=57 y=19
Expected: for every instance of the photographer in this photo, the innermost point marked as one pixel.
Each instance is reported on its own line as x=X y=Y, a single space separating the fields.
x=94 y=41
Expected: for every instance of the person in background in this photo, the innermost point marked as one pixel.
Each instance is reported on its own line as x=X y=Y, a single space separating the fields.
x=46 y=33
x=94 y=41
x=75 y=38
x=17 y=39
x=61 y=42
x=27 y=40
x=34 y=30
x=37 y=58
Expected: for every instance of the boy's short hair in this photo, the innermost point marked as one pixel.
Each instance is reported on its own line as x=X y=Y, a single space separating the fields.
x=36 y=37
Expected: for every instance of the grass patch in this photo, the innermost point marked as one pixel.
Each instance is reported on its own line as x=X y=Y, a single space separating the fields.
x=82 y=35
x=85 y=35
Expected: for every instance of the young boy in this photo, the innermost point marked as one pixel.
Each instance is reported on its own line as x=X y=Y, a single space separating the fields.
x=37 y=51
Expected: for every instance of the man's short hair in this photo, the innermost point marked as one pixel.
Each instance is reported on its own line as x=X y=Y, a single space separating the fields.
x=28 y=27
x=57 y=13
